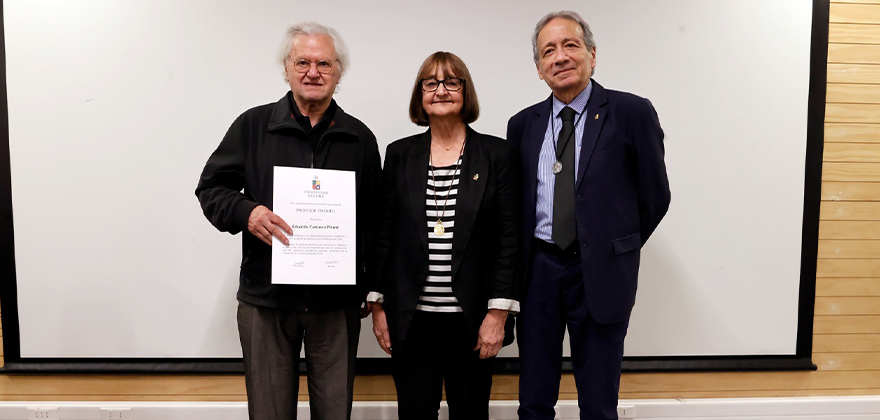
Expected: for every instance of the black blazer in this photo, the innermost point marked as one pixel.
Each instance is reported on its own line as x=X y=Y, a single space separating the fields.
x=485 y=247
x=622 y=191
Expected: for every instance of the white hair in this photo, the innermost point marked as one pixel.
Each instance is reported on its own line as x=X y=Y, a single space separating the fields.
x=311 y=29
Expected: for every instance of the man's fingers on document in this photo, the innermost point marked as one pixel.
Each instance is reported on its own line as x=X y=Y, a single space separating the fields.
x=278 y=233
x=263 y=224
x=278 y=221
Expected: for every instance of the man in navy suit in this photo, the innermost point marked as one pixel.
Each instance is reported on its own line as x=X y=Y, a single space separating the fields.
x=595 y=188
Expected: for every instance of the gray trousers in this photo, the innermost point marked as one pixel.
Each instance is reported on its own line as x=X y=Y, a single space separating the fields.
x=271 y=340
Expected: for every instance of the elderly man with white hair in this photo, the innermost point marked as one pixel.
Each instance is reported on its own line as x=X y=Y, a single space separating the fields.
x=306 y=128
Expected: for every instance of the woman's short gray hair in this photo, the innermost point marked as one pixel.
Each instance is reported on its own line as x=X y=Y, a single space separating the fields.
x=565 y=14
x=308 y=29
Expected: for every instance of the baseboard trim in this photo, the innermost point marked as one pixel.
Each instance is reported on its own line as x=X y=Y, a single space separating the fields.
x=803 y=408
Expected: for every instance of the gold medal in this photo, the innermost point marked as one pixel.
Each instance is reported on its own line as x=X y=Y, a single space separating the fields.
x=439 y=230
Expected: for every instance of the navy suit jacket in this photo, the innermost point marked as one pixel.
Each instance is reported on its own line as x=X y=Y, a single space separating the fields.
x=621 y=188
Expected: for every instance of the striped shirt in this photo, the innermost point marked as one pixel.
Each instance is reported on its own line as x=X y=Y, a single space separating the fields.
x=436 y=295
x=442 y=190
x=546 y=178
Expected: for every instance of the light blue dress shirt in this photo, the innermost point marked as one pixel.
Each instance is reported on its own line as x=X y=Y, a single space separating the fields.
x=546 y=178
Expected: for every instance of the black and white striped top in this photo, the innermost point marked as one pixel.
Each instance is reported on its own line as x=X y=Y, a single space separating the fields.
x=437 y=293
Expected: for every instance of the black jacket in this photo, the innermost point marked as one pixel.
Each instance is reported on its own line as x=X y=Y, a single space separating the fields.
x=485 y=247
x=268 y=136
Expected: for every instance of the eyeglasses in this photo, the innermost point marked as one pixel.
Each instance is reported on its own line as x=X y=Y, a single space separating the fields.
x=451 y=84
x=303 y=66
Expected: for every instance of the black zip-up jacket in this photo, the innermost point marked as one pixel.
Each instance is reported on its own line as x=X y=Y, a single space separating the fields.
x=238 y=177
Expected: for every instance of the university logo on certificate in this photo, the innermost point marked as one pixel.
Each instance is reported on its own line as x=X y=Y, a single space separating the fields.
x=320 y=207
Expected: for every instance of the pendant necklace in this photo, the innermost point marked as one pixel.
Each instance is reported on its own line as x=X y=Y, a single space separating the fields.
x=557 y=166
x=439 y=230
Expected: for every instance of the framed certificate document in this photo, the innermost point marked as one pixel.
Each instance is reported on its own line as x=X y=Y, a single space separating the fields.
x=320 y=207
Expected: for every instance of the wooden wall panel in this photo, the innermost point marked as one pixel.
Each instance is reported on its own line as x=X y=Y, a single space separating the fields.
x=854 y=324
x=853 y=73
x=852 y=93
x=855 y=13
x=848 y=268
x=854 y=53
x=850 y=191
x=850 y=210
x=853 y=152
x=851 y=172
x=848 y=305
x=848 y=343
x=853 y=133
x=856 y=113
x=846 y=33
x=833 y=229
x=847 y=286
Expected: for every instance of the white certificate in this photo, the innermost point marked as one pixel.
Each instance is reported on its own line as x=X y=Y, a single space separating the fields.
x=319 y=205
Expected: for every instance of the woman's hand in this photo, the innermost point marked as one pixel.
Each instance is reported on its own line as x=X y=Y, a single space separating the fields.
x=491 y=334
x=380 y=327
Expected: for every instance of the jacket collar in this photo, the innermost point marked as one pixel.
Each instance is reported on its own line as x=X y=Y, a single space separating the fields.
x=282 y=118
x=596 y=106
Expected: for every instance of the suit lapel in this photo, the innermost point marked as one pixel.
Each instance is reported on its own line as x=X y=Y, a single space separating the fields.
x=535 y=142
x=471 y=185
x=417 y=181
x=595 y=117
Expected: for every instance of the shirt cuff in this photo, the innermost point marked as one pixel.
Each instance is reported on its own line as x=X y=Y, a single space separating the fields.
x=376 y=297
x=508 y=305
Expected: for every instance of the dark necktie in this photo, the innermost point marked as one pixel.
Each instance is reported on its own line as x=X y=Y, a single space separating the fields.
x=564 y=225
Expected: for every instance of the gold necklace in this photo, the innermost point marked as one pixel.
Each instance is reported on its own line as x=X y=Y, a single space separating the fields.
x=439 y=230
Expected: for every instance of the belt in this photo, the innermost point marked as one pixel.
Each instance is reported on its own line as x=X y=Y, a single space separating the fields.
x=551 y=248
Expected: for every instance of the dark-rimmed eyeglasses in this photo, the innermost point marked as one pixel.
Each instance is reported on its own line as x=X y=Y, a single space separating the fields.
x=451 y=84
x=302 y=65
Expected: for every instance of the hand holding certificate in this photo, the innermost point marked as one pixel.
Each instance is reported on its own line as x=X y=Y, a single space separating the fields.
x=320 y=207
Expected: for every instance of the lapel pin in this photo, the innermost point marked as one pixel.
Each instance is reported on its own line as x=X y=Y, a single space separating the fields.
x=476 y=177
x=596 y=117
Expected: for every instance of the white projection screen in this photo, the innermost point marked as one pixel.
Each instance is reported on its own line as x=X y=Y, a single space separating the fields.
x=114 y=107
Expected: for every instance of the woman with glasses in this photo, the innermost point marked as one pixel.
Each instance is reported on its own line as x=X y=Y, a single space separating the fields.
x=447 y=257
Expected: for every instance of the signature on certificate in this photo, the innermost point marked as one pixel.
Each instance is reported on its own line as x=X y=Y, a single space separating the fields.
x=299 y=264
